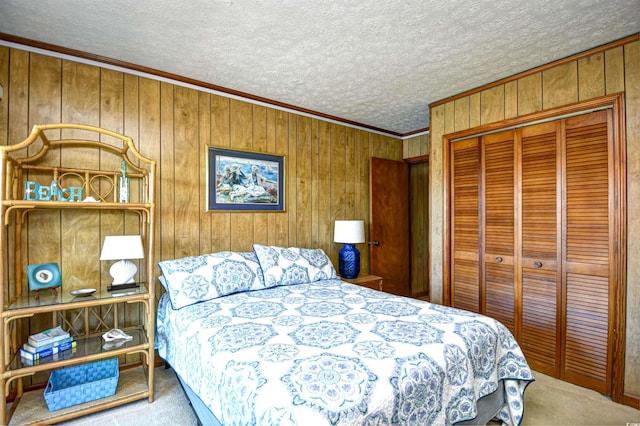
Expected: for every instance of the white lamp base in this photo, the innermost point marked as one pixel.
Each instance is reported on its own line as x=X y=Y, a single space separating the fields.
x=123 y=272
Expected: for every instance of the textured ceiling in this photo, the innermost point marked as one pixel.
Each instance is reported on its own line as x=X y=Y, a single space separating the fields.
x=379 y=63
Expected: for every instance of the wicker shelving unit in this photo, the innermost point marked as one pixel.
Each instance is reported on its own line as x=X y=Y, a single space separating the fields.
x=86 y=318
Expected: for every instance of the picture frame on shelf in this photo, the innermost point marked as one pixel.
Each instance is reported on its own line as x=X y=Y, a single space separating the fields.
x=239 y=180
x=44 y=276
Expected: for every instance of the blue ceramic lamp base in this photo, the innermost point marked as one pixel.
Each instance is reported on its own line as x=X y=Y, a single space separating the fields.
x=349 y=261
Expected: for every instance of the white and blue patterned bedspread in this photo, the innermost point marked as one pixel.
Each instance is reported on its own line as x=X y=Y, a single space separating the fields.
x=330 y=352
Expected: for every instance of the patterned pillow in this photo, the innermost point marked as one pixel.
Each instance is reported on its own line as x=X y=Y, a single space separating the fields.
x=195 y=279
x=287 y=266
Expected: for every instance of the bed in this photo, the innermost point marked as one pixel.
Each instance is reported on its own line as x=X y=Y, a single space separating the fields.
x=273 y=337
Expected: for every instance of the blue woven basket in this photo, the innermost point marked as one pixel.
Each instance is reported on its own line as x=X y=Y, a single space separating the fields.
x=81 y=383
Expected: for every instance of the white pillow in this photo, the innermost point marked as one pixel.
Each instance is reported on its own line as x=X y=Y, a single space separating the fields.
x=287 y=266
x=195 y=279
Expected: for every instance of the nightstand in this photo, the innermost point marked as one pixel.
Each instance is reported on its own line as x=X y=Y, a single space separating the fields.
x=369 y=281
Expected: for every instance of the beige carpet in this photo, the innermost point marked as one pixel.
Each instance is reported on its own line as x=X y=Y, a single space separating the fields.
x=547 y=402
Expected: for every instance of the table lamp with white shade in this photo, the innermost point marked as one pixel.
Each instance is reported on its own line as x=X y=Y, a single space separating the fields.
x=122 y=248
x=349 y=232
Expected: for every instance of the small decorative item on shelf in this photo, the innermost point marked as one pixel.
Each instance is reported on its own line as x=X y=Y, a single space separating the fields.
x=44 y=276
x=123 y=184
x=33 y=191
x=122 y=248
x=81 y=383
x=115 y=338
x=349 y=232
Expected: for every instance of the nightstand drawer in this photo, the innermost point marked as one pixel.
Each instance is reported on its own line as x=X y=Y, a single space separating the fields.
x=370 y=281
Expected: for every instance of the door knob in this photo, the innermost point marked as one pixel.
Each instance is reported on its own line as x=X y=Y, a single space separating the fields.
x=537 y=265
x=374 y=243
x=498 y=259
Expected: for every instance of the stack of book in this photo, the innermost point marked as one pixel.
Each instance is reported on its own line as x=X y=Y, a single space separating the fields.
x=47 y=345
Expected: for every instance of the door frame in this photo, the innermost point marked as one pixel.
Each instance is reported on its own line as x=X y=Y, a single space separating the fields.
x=616 y=103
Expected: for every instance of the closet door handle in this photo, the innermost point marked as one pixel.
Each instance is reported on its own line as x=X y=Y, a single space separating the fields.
x=537 y=265
x=498 y=259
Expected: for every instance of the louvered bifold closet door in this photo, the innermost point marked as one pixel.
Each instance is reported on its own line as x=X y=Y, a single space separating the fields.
x=541 y=242
x=588 y=251
x=465 y=178
x=498 y=160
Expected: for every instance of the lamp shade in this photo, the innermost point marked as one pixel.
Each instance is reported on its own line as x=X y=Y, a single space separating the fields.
x=349 y=231
x=118 y=247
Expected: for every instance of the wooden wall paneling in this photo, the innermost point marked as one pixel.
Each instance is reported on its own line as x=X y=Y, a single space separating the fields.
x=614 y=70
x=16 y=97
x=338 y=196
x=204 y=140
x=304 y=202
x=325 y=225
x=419 y=224
x=81 y=104
x=241 y=126
x=474 y=110
x=350 y=174
x=413 y=147
x=591 y=77
x=424 y=150
x=41 y=91
x=426 y=248
x=461 y=107
x=450 y=117
x=17 y=94
x=362 y=194
x=167 y=172
x=315 y=185
x=112 y=90
x=511 y=99
x=529 y=94
x=130 y=222
x=45 y=100
x=409 y=147
x=560 y=85
x=282 y=148
x=187 y=162
x=492 y=104
x=270 y=124
x=632 y=106
x=150 y=148
x=4 y=104
x=4 y=140
x=291 y=185
x=132 y=129
x=220 y=136
x=438 y=223
x=376 y=147
x=396 y=148
x=260 y=220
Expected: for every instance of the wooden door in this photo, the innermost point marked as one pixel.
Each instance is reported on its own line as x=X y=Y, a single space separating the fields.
x=546 y=220
x=465 y=225
x=541 y=246
x=498 y=174
x=588 y=254
x=389 y=224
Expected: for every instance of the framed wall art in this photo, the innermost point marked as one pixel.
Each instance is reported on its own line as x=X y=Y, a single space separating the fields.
x=244 y=180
